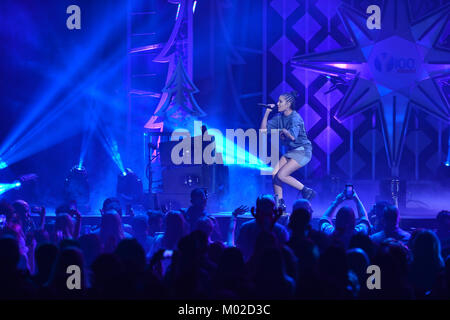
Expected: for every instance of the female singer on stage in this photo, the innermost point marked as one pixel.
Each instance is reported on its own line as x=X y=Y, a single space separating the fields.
x=299 y=148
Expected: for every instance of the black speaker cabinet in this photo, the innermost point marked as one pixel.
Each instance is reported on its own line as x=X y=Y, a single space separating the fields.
x=185 y=178
x=179 y=181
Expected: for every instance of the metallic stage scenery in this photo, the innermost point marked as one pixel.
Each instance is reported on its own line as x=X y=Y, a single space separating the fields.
x=142 y=119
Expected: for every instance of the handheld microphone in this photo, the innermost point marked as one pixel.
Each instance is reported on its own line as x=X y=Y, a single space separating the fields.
x=267 y=105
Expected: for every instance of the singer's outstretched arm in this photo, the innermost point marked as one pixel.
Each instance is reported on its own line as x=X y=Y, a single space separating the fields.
x=264 y=120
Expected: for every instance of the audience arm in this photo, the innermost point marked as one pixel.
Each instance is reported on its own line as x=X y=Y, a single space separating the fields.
x=232 y=225
x=329 y=213
x=362 y=213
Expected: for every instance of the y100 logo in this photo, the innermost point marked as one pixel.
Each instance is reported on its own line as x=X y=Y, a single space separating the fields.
x=387 y=63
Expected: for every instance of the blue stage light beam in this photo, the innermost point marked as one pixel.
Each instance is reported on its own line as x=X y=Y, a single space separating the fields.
x=102 y=72
x=194 y=6
x=3 y=164
x=89 y=132
x=242 y=157
x=110 y=145
x=108 y=103
x=75 y=63
x=53 y=128
x=238 y=156
x=4 y=187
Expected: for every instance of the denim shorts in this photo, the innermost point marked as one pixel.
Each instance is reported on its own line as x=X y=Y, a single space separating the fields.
x=301 y=154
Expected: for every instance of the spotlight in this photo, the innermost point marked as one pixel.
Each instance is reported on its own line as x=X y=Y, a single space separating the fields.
x=447 y=163
x=29 y=188
x=129 y=187
x=76 y=186
x=9 y=186
x=110 y=144
x=3 y=164
x=195 y=4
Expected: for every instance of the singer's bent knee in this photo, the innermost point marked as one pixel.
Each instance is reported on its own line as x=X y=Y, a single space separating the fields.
x=280 y=176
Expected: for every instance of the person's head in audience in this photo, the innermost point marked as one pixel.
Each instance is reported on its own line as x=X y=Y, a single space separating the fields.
x=231 y=262
x=392 y=259
x=67 y=257
x=447 y=272
x=111 y=231
x=302 y=204
x=45 y=257
x=22 y=212
x=6 y=210
x=443 y=221
x=426 y=262
x=64 y=227
x=14 y=280
x=265 y=214
x=63 y=208
x=197 y=209
x=215 y=250
x=140 y=225
x=192 y=267
x=345 y=220
x=15 y=231
x=271 y=279
x=426 y=248
x=362 y=241
x=132 y=256
x=41 y=236
x=264 y=240
x=9 y=255
x=107 y=270
x=358 y=261
x=155 y=222
x=376 y=214
x=390 y=218
x=175 y=229
x=69 y=243
x=111 y=205
x=199 y=198
x=192 y=254
x=90 y=246
x=206 y=225
x=299 y=221
x=194 y=245
x=333 y=271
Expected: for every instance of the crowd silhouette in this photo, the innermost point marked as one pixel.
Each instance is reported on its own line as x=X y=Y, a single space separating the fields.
x=184 y=255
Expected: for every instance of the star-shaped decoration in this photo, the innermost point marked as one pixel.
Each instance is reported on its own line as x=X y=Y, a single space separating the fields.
x=395 y=68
